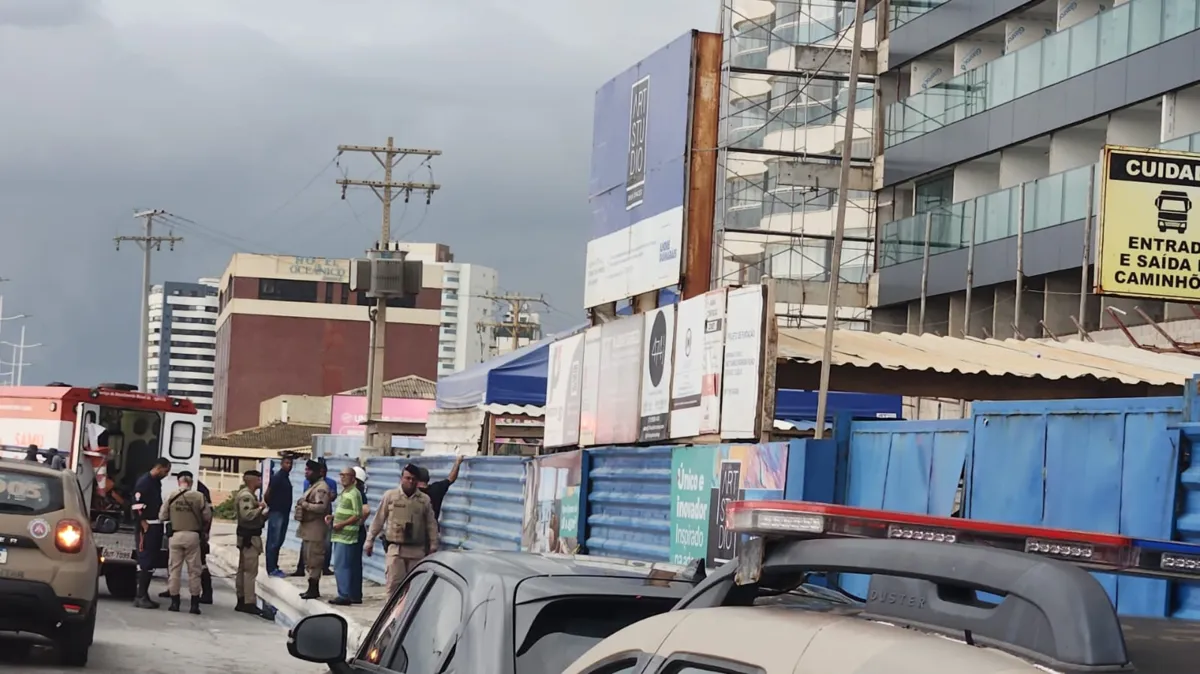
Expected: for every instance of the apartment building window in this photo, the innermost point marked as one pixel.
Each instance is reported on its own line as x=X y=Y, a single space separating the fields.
x=345 y=292
x=328 y=293
x=287 y=290
x=450 y=294
x=934 y=193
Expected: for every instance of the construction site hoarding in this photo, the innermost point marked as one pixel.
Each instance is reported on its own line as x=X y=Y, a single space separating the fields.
x=645 y=125
x=619 y=400
x=699 y=361
x=564 y=386
x=1147 y=246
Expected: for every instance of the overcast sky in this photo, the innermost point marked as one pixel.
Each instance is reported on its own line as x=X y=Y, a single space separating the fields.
x=222 y=112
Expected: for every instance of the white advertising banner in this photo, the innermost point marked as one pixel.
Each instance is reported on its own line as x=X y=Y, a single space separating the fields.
x=743 y=362
x=564 y=381
x=589 y=396
x=620 y=380
x=657 y=344
x=699 y=360
x=642 y=257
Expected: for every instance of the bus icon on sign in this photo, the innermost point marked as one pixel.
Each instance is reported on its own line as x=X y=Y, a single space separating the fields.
x=1173 y=208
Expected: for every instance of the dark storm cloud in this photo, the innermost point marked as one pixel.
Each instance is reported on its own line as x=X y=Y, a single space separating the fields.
x=222 y=114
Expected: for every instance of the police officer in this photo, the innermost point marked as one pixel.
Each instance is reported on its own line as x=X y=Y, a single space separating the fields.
x=310 y=512
x=147 y=504
x=406 y=518
x=251 y=517
x=206 y=588
x=189 y=516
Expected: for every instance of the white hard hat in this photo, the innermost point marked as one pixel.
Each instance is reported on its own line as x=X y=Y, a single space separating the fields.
x=360 y=473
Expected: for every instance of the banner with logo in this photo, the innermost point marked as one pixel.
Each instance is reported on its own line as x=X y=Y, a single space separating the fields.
x=619 y=406
x=564 y=381
x=699 y=359
x=657 y=345
x=553 y=488
x=741 y=376
x=589 y=397
x=704 y=479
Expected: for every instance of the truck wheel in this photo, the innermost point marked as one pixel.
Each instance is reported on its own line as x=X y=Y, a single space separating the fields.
x=122 y=582
x=75 y=641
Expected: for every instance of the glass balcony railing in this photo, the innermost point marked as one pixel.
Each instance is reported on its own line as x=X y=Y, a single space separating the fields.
x=904 y=11
x=1102 y=39
x=1050 y=201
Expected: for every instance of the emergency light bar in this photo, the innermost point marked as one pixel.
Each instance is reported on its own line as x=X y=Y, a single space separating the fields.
x=1097 y=552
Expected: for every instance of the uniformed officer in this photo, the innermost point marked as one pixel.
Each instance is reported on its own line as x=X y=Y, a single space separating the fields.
x=406 y=519
x=206 y=588
x=147 y=504
x=189 y=517
x=310 y=512
x=251 y=517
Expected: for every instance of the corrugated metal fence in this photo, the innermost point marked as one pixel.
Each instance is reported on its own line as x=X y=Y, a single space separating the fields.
x=1186 y=596
x=629 y=503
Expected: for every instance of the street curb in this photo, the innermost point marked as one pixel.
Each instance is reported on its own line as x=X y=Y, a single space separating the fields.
x=285 y=597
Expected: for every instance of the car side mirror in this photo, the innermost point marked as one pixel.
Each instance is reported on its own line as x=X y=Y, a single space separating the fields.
x=105 y=524
x=319 y=638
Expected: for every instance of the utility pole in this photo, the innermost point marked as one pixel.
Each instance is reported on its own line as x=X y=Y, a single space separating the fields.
x=515 y=304
x=7 y=318
x=149 y=243
x=18 y=361
x=387 y=190
x=839 y=231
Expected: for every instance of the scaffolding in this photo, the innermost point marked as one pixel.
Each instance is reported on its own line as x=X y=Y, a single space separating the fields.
x=783 y=102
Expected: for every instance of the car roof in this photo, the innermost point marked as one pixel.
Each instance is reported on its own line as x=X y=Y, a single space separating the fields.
x=517 y=566
x=776 y=639
x=29 y=468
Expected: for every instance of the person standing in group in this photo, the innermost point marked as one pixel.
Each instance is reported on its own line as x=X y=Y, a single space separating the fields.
x=147 y=506
x=206 y=588
x=31 y=454
x=189 y=516
x=251 y=515
x=55 y=459
x=344 y=523
x=437 y=490
x=356 y=583
x=311 y=510
x=279 y=500
x=333 y=490
x=406 y=515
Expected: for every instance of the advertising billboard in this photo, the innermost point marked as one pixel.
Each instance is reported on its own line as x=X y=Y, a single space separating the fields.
x=348 y=413
x=563 y=387
x=1147 y=246
x=704 y=479
x=589 y=396
x=741 y=380
x=657 y=344
x=618 y=411
x=699 y=361
x=553 y=486
x=639 y=176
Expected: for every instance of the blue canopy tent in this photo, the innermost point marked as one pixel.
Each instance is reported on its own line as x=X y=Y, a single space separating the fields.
x=516 y=378
x=519 y=378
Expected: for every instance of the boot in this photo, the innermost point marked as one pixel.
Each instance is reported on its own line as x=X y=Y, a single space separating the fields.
x=314 y=590
x=143 y=599
x=240 y=603
x=206 y=591
x=165 y=594
x=251 y=609
x=174 y=607
x=195 y=610
x=299 y=573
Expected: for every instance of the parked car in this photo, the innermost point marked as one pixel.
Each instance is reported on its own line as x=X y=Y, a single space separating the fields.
x=924 y=612
x=496 y=612
x=49 y=563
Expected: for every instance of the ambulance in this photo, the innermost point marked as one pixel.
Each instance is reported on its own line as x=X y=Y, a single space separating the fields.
x=109 y=435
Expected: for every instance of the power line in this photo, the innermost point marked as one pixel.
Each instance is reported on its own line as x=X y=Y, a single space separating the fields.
x=516 y=304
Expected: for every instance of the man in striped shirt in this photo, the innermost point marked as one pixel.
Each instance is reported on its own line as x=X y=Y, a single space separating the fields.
x=345 y=522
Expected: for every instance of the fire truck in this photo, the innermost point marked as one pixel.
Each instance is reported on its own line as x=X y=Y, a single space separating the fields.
x=109 y=436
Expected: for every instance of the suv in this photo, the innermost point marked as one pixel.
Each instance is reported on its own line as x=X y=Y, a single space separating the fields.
x=495 y=612
x=945 y=595
x=49 y=565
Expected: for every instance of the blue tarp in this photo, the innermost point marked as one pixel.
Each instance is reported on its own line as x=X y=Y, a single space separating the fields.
x=519 y=378
x=516 y=378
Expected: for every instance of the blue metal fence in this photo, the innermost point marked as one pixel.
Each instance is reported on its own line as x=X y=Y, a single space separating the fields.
x=1186 y=596
x=629 y=503
x=1104 y=465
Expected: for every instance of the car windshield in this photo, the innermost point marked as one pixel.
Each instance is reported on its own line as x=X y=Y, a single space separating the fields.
x=564 y=629
x=22 y=493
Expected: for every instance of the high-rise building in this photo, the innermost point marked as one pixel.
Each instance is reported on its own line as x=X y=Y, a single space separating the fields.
x=181 y=355
x=995 y=118
x=465 y=306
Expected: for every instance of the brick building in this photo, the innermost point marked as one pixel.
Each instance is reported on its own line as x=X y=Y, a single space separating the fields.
x=290 y=325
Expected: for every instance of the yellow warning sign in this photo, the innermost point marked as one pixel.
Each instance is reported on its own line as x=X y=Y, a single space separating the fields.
x=1149 y=225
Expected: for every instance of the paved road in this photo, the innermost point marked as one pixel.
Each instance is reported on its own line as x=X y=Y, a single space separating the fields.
x=137 y=641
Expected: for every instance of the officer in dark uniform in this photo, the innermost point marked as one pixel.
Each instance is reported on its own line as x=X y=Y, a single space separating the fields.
x=206 y=594
x=147 y=501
